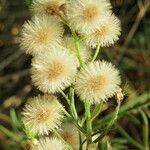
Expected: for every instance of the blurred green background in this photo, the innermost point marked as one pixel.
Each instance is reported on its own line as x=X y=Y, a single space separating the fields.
x=131 y=54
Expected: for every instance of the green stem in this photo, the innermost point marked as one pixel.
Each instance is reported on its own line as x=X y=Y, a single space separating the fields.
x=66 y=113
x=130 y=139
x=110 y=124
x=88 y=122
x=74 y=121
x=72 y=118
x=77 y=45
x=80 y=140
x=65 y=96
x=72 y=104
x=70 y=101
x=96 y=53
x=76 y=40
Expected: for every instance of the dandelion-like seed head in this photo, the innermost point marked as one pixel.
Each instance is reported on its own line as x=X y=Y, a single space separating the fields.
x=90 y=12
x=48 y=7
x=49 y=143
x=107 y=33
x=98 y=81
x=54 y=71
x=69 y=43
x=41 y=33
x=70 y=135
x=42 y=114
x=86 y=15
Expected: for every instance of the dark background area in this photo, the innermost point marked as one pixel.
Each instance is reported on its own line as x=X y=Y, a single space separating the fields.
x=131 y=53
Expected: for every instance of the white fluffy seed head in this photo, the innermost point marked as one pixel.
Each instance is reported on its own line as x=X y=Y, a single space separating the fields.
x=49 y=143
x=54 y=70
x=69 y=43
x=107 y=33
x=70 y=135
x=42 y=114
x=98 y=81
x=48 y=7
x=41 y=33
x=86 y=15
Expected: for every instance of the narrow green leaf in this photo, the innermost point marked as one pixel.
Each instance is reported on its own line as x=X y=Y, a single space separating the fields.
x=9 y=134
x=97 y=110
x=129 y=138
x=132 y=118
x=129 y=106
x=110 y=124
x=14 y=119
x=145 y=130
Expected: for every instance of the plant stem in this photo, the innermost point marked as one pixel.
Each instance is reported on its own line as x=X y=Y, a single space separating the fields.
x=76 y=40
x=74 y=121
x=80 y=140
x=77 y=45
x=96 y=53
x=65 y=96
x=72 y=104
x=66 y=113
x=88 y=122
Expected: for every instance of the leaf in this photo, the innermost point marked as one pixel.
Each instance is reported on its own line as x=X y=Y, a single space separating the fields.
x=129 y=106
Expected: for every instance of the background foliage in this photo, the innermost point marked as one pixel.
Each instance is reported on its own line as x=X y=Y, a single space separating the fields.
x=131 y=54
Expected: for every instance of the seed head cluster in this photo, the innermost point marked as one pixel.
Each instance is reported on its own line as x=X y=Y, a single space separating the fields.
x=61 y=37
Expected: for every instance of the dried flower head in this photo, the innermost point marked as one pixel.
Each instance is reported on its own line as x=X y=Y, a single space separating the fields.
x=86 y=15
x=48 y=7
x=42 y=114
x=119 y=96
x=69 y=43
x=70 y=134
x=41 y=33
x=54 y=71
x=49 y=143
x=107 y=33
x=98 y=81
